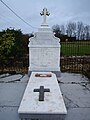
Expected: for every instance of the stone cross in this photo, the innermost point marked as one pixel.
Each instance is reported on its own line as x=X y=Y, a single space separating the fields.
x=44 y=13
x=41 y=92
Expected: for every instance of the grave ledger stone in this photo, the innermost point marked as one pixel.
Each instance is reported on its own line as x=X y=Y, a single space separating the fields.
x=44 y=49
x=42 y=99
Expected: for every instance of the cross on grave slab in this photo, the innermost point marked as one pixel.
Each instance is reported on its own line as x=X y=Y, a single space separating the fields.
x=52 y=108
x=41 y=92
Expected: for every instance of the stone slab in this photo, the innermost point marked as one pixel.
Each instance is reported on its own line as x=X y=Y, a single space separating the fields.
x=75 y=95
x=12 y=89
x=9 y=113
x=11 y=93
x=11 y=78
x=52 y=108
x=78 y=114
x=72 y=78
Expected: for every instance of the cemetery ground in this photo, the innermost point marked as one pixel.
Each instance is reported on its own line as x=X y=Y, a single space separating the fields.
x=75 y=89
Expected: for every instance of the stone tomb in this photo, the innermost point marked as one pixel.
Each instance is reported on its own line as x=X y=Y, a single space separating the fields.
x=42 y=99
x=44 y=49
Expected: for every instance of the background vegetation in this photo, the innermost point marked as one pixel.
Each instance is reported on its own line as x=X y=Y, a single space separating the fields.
x=13 y=45
x=78 y=31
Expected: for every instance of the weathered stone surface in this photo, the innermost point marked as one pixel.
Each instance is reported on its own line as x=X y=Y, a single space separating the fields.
x=78 y=114
x=9 y=113
x=11 y=90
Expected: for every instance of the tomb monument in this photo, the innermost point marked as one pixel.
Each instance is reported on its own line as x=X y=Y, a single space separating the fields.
x=42 y=99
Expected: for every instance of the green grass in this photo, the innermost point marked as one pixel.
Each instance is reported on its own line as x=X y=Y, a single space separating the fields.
x=75 y=48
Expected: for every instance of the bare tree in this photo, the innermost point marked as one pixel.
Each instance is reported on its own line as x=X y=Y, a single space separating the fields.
x=56 y=30
x=87 y=32
x=62 y=29
x=80 y=30
x=71 y=29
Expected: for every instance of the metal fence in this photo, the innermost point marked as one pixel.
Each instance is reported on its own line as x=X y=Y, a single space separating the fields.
x=75 y=57
x=76 y=48
x=75 y=64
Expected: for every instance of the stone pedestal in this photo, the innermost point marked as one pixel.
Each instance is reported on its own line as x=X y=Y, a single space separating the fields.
x=52 y=108
x=44 y=51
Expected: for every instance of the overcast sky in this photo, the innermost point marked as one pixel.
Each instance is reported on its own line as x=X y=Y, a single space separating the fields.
x=61 y=12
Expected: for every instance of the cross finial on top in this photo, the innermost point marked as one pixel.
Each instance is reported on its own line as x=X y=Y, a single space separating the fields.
x=44 y=13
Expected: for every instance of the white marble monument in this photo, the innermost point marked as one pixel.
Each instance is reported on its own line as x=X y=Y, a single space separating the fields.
x=44 y=49
x=42 y=99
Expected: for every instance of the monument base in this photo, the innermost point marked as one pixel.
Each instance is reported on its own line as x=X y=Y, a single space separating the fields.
x=42 y=116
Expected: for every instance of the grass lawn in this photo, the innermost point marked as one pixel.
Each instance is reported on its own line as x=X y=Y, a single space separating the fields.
x=77 y=48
